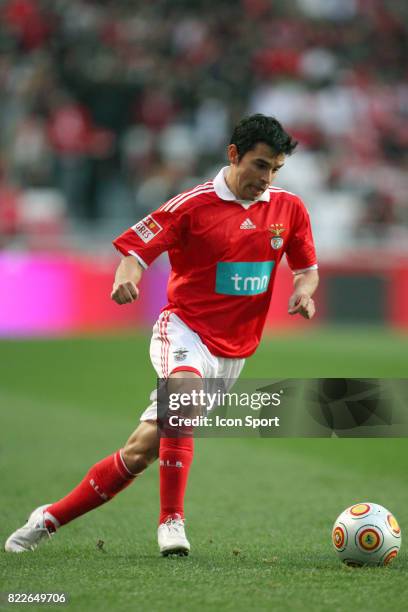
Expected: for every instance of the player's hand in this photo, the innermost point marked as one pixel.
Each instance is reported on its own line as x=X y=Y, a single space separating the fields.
x=302 y=304
x=124 y=293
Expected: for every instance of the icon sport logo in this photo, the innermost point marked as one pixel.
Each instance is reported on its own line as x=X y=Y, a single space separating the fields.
x=243 y=277
x=147 y=228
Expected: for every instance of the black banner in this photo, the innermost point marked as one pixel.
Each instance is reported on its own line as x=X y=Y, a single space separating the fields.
x=323 y=407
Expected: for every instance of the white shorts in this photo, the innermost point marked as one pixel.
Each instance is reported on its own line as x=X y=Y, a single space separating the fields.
x=174 y=346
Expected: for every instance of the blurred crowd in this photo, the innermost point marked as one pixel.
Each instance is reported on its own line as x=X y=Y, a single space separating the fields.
x=110 y=108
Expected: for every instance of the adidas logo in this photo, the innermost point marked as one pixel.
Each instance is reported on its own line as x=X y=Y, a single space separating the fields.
x=247 y=224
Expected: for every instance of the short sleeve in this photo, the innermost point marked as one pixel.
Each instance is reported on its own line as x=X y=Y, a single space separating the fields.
x=149 y=237
x=300 y=252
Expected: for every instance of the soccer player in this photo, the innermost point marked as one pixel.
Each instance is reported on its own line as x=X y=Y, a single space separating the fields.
x=225 y=239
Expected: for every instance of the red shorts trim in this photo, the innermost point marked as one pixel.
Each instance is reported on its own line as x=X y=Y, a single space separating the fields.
x=186 y=369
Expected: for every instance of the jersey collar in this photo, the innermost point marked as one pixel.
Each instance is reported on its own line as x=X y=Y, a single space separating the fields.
x=223 y=191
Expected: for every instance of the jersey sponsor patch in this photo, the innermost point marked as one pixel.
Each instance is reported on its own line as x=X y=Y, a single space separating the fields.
x=147 y=228
x=243 y=277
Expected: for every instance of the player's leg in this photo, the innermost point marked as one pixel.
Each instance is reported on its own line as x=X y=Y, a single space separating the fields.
x=102 y=482
x=176 y=456
x=110 y=476
x=176 y=452
x=179 y=358
x=142 y=447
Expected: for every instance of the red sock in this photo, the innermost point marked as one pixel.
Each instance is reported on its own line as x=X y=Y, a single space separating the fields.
x=176 y=456
x=101 y=483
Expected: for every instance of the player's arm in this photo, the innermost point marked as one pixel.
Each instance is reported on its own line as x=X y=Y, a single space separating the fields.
x=127 y=278
x=301 y=302
x=140 y=245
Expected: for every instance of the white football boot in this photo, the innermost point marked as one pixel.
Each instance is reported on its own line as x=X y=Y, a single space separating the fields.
x=31 y=534
x=172 y=537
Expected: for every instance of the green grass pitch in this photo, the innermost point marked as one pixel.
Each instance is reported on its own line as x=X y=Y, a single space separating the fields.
x=259 y=511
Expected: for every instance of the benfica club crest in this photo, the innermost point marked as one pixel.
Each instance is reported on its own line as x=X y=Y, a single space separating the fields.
x=276 y=230
x=180 y=354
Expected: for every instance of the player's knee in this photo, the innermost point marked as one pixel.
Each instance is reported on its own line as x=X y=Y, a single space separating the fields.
x=187 y=389
x=184 y=381
x=137 y=461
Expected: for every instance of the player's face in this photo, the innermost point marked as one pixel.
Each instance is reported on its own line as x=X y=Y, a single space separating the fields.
x=256 y=170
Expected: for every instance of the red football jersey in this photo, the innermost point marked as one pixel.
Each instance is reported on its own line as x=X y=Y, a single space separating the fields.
x=223 y=254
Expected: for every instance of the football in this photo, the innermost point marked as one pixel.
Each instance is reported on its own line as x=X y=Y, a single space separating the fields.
x=366 y=534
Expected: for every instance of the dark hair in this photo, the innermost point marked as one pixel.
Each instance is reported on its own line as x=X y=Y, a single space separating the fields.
x=260 y=128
